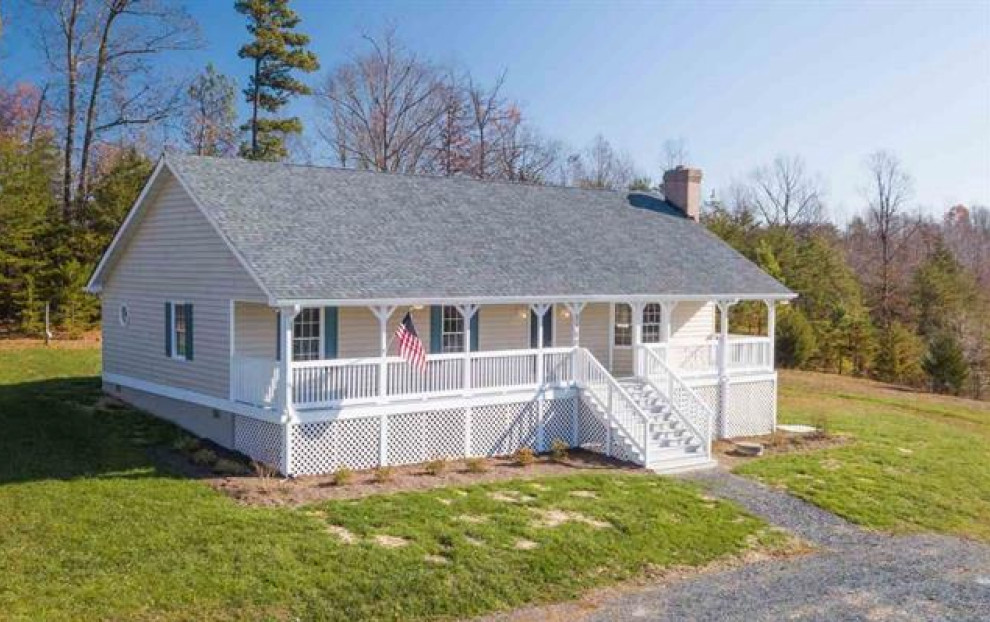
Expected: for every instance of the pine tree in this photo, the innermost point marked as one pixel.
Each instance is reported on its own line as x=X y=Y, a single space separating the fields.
x=795 y=339
x=899 y=356
x=276 y=50
x=944 y=363
x=210 y=119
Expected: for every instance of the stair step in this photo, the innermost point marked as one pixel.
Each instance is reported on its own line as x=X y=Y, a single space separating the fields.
x=681 y=465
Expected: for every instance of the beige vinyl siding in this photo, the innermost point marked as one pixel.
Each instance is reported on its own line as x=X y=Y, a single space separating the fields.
x=503 y=327
x=174 y=254
x=255 y=331
x=358 y=335
x=692 y=321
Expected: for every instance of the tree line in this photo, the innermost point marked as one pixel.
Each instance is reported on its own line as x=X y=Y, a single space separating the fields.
x=892 y=295
x=889 y=295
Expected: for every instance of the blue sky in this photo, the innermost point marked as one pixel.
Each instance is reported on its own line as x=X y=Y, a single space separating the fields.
x=739 y=81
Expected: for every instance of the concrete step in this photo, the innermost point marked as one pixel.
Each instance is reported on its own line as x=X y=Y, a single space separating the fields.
x=681 y=465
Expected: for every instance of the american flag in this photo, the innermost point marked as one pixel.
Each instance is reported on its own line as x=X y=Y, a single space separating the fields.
x=410 y=346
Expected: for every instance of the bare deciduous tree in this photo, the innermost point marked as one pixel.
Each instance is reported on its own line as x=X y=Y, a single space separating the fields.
x=783 y=193
x=486 y=109
x=384 y=108
x=601 y=166
x=523 y=154
x=887 y=194
x=675 y=153
x=102 y=52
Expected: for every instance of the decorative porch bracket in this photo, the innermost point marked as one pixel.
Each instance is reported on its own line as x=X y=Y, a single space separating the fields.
x=575 y=309
x=467 y=312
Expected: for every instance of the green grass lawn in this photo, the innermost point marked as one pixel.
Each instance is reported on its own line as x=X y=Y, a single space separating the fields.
x=91 y=529
x=918 y=462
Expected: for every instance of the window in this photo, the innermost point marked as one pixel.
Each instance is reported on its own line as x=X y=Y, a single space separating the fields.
x=124 y=315
x=623 y=325
x=179 y=331
x=652 y=321
x=306 y=336
x=452 y=330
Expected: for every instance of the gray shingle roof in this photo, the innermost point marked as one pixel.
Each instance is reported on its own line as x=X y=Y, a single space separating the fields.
x=313 y=233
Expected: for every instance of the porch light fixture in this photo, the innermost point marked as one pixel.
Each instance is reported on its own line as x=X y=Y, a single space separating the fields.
x=417 y=307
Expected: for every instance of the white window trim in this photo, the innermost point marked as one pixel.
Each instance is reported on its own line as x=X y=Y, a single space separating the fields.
x=615 y=315
x=175 y=337
x=320 y=328
x=444 y=332
x=658 y=324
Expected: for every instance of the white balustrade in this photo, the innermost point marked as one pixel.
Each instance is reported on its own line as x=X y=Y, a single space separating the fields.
x=685 y=403
x=508 y=368
x=327 y=382
x=617 y=406
x=444 y=373
x=254 y=380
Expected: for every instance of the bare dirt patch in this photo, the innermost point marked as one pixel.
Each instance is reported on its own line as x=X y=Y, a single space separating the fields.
x=85 y=341
x=342 y=534
x=524 y=545
x=510 y=496
x=436 y=560
x=555 y=518
x=584 y=494
x=274 y=491
x=777 y=443
x=390 y=542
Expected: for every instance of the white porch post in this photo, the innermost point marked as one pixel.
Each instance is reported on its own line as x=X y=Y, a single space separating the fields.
x=467 y=312
x=723 y=363
x=540 y=310
x=771 y=330
x=288 y=316
x=382 y=312
x=668 y=313
x=575 y=309
x=637 y=337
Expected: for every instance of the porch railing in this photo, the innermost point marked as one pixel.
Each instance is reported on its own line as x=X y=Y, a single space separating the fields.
x=620 y=409
x=693 y=359
x=325 y=383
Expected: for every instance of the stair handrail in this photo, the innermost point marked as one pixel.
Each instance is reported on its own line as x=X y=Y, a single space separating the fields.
x=588 y=362
x=675 y=382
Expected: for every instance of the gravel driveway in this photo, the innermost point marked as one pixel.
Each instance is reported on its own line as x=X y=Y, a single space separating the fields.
x=857 y=575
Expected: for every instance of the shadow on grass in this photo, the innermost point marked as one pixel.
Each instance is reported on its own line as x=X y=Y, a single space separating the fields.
x=63 y=429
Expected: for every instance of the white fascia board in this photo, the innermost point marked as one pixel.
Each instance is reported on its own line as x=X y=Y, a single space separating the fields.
x=456 y=300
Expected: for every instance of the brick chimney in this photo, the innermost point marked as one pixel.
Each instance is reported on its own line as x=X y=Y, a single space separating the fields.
x=682 y=188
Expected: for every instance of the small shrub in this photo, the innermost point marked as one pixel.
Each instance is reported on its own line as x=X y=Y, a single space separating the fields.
x=226 y=466
x=342 y=476
x=558 y=450
x=186 y=444
x=384 y=474
x=204 y=457
x=524 y=456
x=436 y=467
x=821 y=426
x=262 y=470
x=476 y=465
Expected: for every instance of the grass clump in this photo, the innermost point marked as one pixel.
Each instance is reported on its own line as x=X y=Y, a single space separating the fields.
x=436 y=467
x=558 y=450
x=524 y=456
x=476 y=465
x=383 y=475
x=342 y=476
x=226 y=466
x=204 y=457
x=186 y=444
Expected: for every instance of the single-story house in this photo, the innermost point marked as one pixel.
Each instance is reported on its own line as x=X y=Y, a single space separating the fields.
x=255 y=304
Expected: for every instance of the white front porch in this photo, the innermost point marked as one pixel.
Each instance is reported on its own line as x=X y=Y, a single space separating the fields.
x=257 y=370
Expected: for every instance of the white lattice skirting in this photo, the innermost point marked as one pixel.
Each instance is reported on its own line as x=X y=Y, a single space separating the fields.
x=751 y=407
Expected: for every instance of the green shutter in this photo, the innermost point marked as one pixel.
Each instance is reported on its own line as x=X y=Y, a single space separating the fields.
x=436 y=329
x=168 y=329
x=330 y=332
x=189 y=331
x=278 y=335
x=474 y=330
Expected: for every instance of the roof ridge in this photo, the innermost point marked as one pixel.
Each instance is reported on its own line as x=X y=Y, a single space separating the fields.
x=455 y=178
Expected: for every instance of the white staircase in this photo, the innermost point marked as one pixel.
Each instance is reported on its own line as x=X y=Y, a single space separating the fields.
x=672 y=446
x=665 y=433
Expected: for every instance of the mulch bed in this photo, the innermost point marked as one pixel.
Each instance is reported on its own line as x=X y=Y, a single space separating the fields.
x=272 y=490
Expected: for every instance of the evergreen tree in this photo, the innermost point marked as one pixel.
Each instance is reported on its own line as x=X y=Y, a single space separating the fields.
x=941 y=292
x=944 y=363
x=795 y=340
x=210 y=120
x=276 y=50
x=899 y=356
